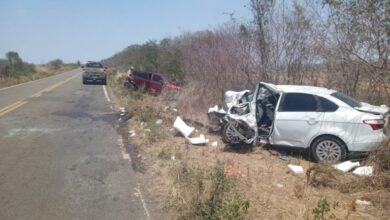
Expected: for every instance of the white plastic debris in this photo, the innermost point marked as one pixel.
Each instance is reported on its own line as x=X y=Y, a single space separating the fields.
x=198 y=140
x=363 y=202
x=214 y=144
x=132 y=133
x=159 y=121
x=122 y=109
x=296 y=169
x=346 y=166
x=173 y=158
x=174 y=109
x=186 y=131
x=279 y=185
x=364 y=171
x=181 y=126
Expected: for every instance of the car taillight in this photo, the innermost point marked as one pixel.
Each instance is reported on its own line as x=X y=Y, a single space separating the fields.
x=375 y=124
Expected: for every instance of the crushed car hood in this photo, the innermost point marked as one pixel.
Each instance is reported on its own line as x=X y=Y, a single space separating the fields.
x=232 y=98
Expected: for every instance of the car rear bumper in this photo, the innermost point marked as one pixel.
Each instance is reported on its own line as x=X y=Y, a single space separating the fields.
x=370 y=145
x=95 y=78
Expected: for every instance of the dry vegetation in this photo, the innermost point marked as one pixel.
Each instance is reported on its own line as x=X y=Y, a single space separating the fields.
x=336 y=44
x=184 y=178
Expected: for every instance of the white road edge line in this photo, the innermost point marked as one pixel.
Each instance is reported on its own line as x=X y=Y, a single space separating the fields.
x=127 y=157
x=106 y=94
x=143 y=201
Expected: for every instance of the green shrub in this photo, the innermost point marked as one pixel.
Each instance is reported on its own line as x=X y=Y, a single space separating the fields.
x=210 y=194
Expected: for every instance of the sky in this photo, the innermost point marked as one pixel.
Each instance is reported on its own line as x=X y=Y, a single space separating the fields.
x=72 y=30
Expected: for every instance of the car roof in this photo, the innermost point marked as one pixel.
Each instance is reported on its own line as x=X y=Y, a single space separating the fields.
x=301 y=89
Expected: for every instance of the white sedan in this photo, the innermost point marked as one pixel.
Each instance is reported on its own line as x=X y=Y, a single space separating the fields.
x=330 y=123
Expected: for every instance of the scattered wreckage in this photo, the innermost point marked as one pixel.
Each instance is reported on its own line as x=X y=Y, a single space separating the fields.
x=330 y=123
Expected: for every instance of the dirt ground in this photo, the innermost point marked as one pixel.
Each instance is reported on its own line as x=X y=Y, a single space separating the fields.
x=274 y=192
x=261 y=173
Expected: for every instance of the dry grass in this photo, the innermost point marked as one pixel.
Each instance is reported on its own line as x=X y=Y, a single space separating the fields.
x=272 y=191
x=41 y=72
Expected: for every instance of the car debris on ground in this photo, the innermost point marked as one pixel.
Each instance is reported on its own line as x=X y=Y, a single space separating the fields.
x=132 y=133
x=364 y=171
x=362 y=202
x=358 y=170
x=346 y=166
x=186 y=131
x=231 y=170
x=296 y=169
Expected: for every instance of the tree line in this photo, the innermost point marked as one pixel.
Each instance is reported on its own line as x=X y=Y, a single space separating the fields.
x=14 y=66
x=340 y=44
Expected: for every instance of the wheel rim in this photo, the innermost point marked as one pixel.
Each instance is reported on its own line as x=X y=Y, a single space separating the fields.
x=328 y=150
x=231 y=135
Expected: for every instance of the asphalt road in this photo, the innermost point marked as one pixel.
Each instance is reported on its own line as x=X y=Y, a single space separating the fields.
x=59 y=154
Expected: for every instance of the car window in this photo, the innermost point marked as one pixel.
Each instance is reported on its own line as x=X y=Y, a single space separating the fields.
x=157 y=78
x=298 y=102
x=94 y=65
x=144 y=75
x=327 y=105
x=346 y=99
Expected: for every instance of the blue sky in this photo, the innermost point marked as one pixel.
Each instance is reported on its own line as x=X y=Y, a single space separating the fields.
x=43 y=30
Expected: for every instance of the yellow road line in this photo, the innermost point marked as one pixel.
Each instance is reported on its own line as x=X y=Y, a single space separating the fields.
x=11 y=107
x=48 y=89
x=16 y=105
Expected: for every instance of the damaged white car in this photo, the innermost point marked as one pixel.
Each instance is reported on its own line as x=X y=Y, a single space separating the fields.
x=332 y=124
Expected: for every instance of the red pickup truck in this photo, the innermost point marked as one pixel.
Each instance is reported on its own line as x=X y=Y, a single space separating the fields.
x=153 y=82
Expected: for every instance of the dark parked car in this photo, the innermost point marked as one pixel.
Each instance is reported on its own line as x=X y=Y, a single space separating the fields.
x=153 y=82
x=94 y=72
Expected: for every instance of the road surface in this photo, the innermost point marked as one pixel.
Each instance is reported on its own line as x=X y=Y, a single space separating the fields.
x=59 y=154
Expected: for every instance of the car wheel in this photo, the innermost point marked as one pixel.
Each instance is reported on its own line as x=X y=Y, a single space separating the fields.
x=84 y=81
x=131 y=86
x=229 y=135
x=328 y=148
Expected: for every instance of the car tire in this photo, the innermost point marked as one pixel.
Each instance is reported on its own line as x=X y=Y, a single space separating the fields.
x=84 y=81
x=228 y=136
x=328 y=148
x=131 y=86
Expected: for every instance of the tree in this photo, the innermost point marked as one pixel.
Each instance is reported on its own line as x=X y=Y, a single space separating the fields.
x=15 y=62
x=56 y=64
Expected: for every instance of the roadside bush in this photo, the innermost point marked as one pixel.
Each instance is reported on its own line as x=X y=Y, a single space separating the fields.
x=324 y=209
x=208 y=194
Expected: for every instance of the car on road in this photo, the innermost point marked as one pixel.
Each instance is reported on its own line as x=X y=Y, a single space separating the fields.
x=152 y=82
x=332 y=125
x=94 y=73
